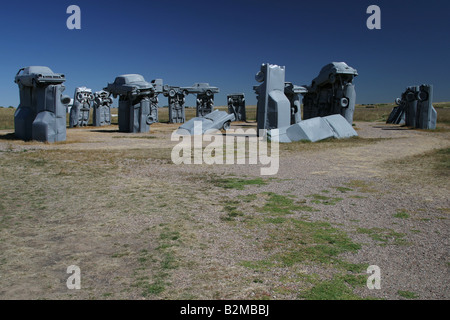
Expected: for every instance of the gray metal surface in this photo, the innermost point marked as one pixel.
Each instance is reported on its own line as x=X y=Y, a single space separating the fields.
x=101 y=115
x=236 y=105
x=41 y=114
x=205 y=104
x=176 y=100
x=205 y=97
x=331 y=92
x=215 y=120
x=295 y=95
x=273 y=107
x=79 y=113
x=314 y=129
x=414 y=108
x=135 y=95
x=426 y=116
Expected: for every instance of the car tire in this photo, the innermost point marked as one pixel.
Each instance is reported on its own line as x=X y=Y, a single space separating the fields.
x=332 y=78
x=422 y=96
x=344 y=102
x=226 y=125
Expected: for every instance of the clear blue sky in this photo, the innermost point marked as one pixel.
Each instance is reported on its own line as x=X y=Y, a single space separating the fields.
x=225 y=42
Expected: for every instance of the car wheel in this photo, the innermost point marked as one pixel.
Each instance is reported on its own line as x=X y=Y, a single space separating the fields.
x=149 y=119
x=332 y=78
x=172 y=93
x=422 y=96
x=344 y=102
x=227 y=125
x=208 y=93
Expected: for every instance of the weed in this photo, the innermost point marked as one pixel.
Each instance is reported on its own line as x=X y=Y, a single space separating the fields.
x=278 y=204
x=407 y=294
x=335 y=289
x=384 y=236
x=320 y=199
x=237 y=183
x=401 y=215
x=343 y=189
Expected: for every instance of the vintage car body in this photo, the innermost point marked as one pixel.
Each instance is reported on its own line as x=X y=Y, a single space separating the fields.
x=328 y=74
x=35 y=75
x=197 y=88
x=129 y=85
x=215 y=120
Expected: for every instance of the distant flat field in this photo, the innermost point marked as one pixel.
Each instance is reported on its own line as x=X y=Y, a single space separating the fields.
x=141 y=227
x=377 y=112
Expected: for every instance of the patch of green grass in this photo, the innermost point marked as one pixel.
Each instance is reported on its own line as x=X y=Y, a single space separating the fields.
x=275 y=220
x=248 y=197
x=320 y=199
x=158 y=263
x=237 y=183
x=401 y=215
x=384 y=236
x=279 y=204
x=311 y=242
x=335 y=289
x=233 y=211
x=343 y=189
x=407 y=294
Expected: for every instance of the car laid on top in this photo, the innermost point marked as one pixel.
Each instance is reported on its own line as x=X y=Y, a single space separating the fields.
x=35 y=75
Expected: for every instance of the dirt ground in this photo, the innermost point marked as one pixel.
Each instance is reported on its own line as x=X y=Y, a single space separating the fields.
x=140 y=227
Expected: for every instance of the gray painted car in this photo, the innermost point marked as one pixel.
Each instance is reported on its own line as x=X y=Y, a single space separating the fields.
x=200 y=88
x=129 y=84
x=328 y=73
x=35 y=75
x=217 y=120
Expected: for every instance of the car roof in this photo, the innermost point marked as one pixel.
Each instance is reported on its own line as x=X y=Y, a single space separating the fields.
x=37 y=69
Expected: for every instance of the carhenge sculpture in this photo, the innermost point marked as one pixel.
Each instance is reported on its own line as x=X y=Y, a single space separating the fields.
x=41 y=114
x=135 y=99
x=205 y=97
x=79 y=113
x=177 y=98
x=415 y=108
x=279 y=111
x=102 y=109
x=273 y=107
x=236 y=105
x=331 y=92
